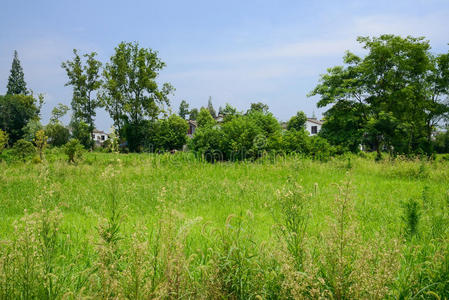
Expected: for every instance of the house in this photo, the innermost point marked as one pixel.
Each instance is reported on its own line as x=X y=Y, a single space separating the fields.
x=99 y=137
x=192 y=127
x=313 y=125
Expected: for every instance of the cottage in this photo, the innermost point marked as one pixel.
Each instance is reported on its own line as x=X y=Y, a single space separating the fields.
x=313 y=125
x=99 y=137
x=192 y=128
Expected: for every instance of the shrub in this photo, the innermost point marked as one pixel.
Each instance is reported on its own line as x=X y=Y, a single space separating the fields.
x=411 y=217
x=23 y=150
x=320 y=149
x=74 y=150
x=41 y=143
x=3 y=140
x=58 y=135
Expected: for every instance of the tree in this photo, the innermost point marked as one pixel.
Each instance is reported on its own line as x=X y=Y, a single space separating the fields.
x=84 y=77
x=297 y=122
x=205 y=119
x=183 y=109
x=74 y=150
x=131 y=92
x=81 y=132
x=41 y=143
x=15 y=113
x=211 y=108
x=259 y=106
x=23 y=150
x=31 y=128
x=3 y=140
x=58 y=112
x=193 y=115
x=16 y=82
x=57 y=133
x=229 y=112
x=398 y=83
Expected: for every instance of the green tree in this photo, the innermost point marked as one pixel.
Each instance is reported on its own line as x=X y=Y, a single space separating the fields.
x=3 y=140
x=399 y=82
x=205 y=119
x=132 y=93
x=84 y=77
x=211 y=108
x=58 y=112
x=15 y=113
x=183 y=109
x=258 y=106
x=16 y=81
x=74 y=150
x=81 y=132
x=229 y=112
x=31 y=128
x=297 y=122
x=41 y=143
x=193 y=115
x=23 y=150
x=57 y=133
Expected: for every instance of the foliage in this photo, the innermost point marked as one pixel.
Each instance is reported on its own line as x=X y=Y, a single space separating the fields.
x=392 y=98
x=15 y=113
x=58 y=112
x=229 y=112
x=41 y=143
x=131 y=91
x=31 y=128
x=23 y=150
x=58 y=134
x=274 y=229
x=193 y=114
x=205 y=119
x=183 y=109
x=211 y=108
x=167 y=134
x=258 y=106
x=16 y=81
x=82 y=133
x=297 y=122
x=3 y=140
x=85 y=80
x=74 y=150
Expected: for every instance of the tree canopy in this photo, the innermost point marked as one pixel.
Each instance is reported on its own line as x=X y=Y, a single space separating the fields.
x=392 y=98
x=16 y=81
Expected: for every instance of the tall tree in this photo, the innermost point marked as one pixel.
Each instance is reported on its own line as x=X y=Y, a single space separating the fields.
x=391 y=98
x=183 y=109
x=297 y=122
x=132 y=94
x=193 y=114
x=16 y=81
x=258 y=106
x=211 y=108
x=84 y=77
x=15 y=113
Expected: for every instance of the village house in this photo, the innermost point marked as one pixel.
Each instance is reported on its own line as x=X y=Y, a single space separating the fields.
x=313 y=125
x=99 y=137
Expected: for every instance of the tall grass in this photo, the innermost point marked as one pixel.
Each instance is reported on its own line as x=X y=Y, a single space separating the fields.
x=173 y=227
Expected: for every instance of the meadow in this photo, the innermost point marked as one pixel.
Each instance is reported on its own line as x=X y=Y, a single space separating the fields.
x=142 y=226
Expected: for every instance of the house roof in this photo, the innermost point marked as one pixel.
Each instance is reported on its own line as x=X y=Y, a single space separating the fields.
x=313 y=120
x=99 y=131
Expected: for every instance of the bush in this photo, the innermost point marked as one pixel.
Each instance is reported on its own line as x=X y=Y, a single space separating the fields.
x=320 y=149
x=208 y=143
x=23 y=150
x=3 y=140
x=58 y=135
x=74 y=150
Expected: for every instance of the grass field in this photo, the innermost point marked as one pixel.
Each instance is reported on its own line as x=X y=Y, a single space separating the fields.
x=144 y=226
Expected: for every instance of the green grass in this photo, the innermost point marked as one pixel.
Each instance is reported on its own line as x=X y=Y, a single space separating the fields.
x=148 y=186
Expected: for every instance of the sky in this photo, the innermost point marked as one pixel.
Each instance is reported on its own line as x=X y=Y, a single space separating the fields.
x=236 y=52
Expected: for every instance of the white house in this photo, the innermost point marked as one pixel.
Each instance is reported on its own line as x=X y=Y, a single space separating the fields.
x=99 y=136
x=313 y=125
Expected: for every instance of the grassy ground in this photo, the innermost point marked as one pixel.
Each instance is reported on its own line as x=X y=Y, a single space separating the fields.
x=187 y=205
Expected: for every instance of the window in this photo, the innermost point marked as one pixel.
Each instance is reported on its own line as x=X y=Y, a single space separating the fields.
x=102 y=137
x=314 y=129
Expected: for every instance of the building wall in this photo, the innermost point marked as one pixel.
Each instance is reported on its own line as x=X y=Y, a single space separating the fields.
x=309 y=126
x=98 y=139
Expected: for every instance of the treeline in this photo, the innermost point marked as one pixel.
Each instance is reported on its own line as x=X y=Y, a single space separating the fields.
x=393 y=99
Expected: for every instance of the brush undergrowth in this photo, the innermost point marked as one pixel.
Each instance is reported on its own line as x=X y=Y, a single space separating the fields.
x=299 y=238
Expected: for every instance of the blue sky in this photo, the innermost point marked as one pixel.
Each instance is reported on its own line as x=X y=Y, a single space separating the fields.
x=235 y=51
